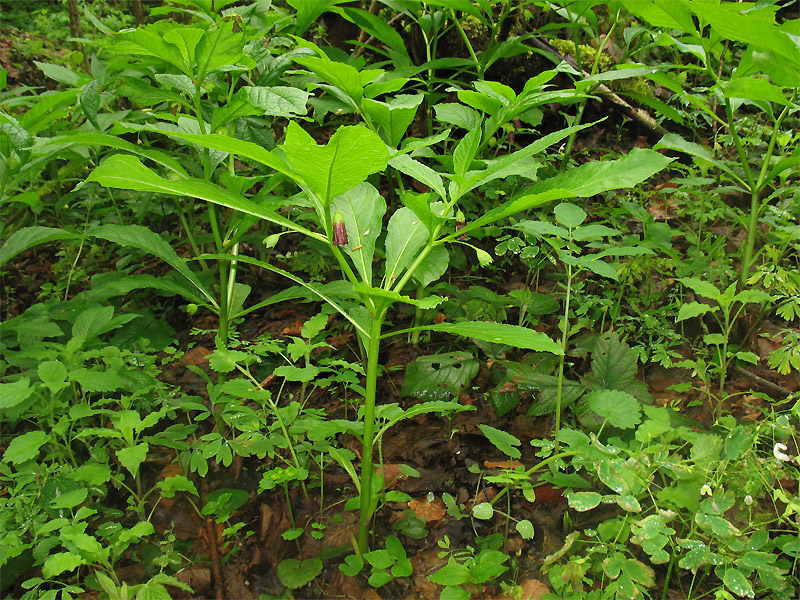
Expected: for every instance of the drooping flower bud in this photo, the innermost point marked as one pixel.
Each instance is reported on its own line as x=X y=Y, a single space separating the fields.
x=460 y=222
x=339 y=230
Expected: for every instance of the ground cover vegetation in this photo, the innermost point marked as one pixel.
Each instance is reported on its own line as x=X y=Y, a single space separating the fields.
x=447 y=299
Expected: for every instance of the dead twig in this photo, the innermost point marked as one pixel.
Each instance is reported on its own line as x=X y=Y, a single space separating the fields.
x=636 y=114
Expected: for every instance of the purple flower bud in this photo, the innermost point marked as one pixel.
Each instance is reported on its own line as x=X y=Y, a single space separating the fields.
x=339 y=230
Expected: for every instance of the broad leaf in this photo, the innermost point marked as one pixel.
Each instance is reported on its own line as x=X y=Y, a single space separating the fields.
x=393 y=117
x=352 y=154
x=25 y=447
x=362 y=209
x=502 y=440
x=28 y=237
x=406 y=235
x=620 y=409
x=142 y=238
x=500 y=333
x=439 y=377
x=127 y=172
x=422 y=173
x=281 y=101
x=218 y=48
x=596 y=177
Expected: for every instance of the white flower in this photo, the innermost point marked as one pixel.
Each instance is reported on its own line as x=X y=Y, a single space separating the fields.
x=748 y=500
x=779 y=452
x=706 y=490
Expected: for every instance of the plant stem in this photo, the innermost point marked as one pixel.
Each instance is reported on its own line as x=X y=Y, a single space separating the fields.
x=564 y=340
x=373 y=350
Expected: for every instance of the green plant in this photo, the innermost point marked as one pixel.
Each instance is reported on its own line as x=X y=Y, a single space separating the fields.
x=658 y=478
x=730 y=305
x=773 y=97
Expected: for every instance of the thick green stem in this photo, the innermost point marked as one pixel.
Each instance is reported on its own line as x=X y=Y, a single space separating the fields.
x=367 y=504
x=755 y=196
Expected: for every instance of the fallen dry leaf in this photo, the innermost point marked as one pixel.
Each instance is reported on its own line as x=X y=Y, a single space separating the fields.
x=430 y=511
x=502 y=464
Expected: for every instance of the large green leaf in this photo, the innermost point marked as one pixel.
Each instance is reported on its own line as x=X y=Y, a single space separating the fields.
x=669 y=15
x=393 y=117
x=342 y=76
x=725 y=20
x=439 y=377
x=142 y=238
x=280 y=101
x=149 y=41
x=28 y=237
x=112 y=141
x=362 y=209
x=422 y=173
x=393 y=44
x=218 y=48
x=432 y=267
x=500 y=333
x=127 y=172
x=405 y=237
x=352 y=154
x=599 y=176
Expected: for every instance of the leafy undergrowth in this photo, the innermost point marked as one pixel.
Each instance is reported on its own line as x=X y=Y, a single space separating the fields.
x=461 y=307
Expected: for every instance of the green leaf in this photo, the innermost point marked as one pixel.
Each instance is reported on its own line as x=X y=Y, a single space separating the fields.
x=93 y=321
x=280 y=101
x=432 y=266
x=674 y=15
x=701 y=287
x=599 y=176
x=751 y=88
x=482 y=511
x=149 y=41
x=27 y=237
x=736 y=582
x=70 y=499
x=425 y=303
x=301 y=374
x=352 y=154
x=90 y=101
x=132 y=458
x=393 y=117
x=422 y=173
x=343 y=76
x=457 y=114
x=726 y=22
x=501 y=333
x=439 y=377
x=174 y=484
x=583 y=501
x=12 y=394
x=405 y=237
x=142 y=238
x=53 y=374
x=295 y=574
x=309 y=11
x=501 y=440
x=127 y=172
x=691 y=310
x=525 y=529
x=619 y=408
x=465 y=151
x=25 y=447
x=613 y=363
x=59 y=73
x=362 y=209
x=452 y=573
x=569 y=215
x=60 y=562
x=217 y=49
